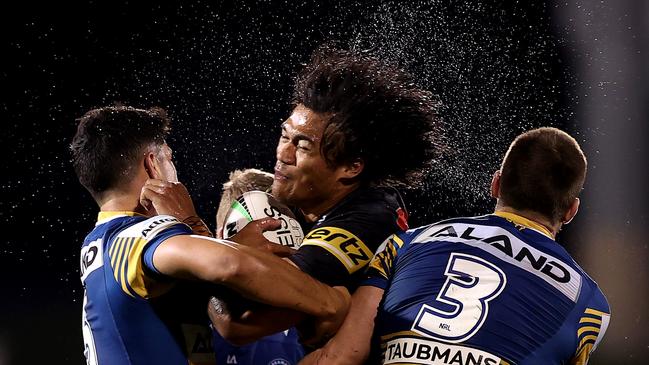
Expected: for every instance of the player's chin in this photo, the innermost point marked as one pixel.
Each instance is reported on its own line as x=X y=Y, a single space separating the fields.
x=281 y=191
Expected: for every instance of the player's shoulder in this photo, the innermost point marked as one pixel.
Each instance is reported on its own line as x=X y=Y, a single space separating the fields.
x=109 y=224
x=370 y=214
x=367 y=208
x=598 y=300
x=426 y=230
x=592 y=295
x=149 y=228
x=373 y=200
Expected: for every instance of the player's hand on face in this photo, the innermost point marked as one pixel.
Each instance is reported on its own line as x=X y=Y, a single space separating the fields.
x=171 y=198
x=252 y=236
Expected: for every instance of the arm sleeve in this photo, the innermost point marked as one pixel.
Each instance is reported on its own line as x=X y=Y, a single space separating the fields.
x=131 y=255
x=592 y=327
x=152 y=245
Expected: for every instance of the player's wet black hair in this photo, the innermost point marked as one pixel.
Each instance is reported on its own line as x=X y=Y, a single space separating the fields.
x=373 y=111
x=110 y=141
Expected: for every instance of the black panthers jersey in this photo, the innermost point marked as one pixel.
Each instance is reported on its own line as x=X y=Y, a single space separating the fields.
x=342 y=242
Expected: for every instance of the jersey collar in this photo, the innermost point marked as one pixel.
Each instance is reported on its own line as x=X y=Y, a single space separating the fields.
x=527 y=223
x=106 y=216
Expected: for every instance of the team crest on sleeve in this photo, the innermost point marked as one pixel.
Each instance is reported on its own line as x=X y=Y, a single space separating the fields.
x=344 y=245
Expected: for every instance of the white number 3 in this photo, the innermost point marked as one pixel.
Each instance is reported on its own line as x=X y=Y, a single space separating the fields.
x=472 y=282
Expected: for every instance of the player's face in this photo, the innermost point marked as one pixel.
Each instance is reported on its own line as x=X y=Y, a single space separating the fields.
x=302 y=177
x=165 y=164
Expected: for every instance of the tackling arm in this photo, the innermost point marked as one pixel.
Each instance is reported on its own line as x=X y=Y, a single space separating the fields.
x=351 y=345
x=250 y=272
x=253 y=324
x=262 y=320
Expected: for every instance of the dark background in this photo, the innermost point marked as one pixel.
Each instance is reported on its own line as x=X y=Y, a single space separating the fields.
x=224 y=72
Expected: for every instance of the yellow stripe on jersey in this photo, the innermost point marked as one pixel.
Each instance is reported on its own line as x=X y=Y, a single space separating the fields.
x=113 y=251
x=124 y=265
x=137 y=281
x=581 y=330
x=110 y=214
x=589 y=327
x=376 y=264
x=128 y=268
x=121 y=260
x=595 y=312
x=397 y=240
x=344 y=245
x=590 y=320
x=524 y=222
x=117 y=258
x=587 y=334
x=382 y=262
x=582 y=356
x=587 y=338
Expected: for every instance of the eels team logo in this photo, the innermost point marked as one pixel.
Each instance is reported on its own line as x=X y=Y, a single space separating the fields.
x=279 y=362
x=256 y=204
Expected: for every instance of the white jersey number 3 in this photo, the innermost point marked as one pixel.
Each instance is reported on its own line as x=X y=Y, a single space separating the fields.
x=472 y=282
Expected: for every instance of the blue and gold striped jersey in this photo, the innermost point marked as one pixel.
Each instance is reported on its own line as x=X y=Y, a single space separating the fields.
x=487 y=290
x=132 y=314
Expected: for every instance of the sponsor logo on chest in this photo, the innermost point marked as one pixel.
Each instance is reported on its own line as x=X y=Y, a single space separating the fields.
x=502 y=244
x=422 y=351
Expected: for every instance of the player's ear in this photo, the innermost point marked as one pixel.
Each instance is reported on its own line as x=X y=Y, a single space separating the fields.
x=571 y=212
x=151 y=165
x=495 y=185
x=353 y=169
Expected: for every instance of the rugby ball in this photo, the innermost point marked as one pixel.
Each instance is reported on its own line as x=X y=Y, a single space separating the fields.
x=254 y=205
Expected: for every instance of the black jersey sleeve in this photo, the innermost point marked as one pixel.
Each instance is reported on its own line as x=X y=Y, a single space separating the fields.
x=337 y=249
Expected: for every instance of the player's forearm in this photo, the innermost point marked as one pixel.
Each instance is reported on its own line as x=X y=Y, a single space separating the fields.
x=253 y=324
x=256 y=275
x=267 y=279
x=351 y=345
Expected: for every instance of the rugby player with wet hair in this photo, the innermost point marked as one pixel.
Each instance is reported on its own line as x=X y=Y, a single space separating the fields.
x=494 y=289
x=357 y=125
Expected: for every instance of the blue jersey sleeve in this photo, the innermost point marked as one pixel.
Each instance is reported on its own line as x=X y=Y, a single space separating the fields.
x=592 y=327
x=131 y=255
x=152 y=245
